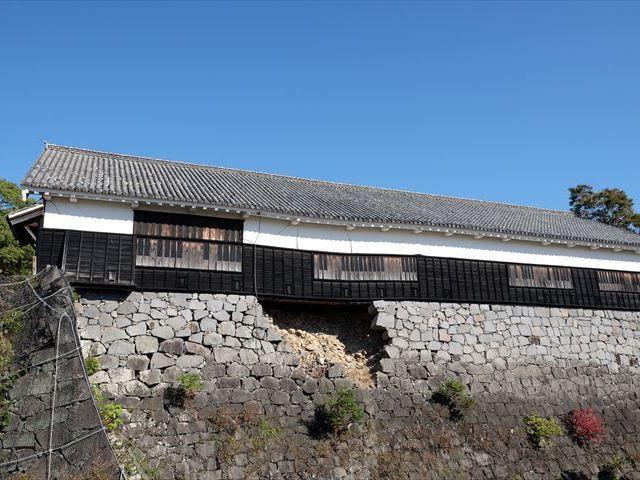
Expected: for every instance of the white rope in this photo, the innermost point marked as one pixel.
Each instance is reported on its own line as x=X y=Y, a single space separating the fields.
x=14 y=283
x=37 y=302
x=76 y=337
x=46 y=452
x=53 y=396
x=33 y=365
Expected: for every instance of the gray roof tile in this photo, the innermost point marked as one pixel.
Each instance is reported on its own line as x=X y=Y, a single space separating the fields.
x=67 y=169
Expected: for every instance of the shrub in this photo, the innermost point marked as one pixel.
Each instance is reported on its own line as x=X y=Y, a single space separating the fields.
x=92 y=365
x=454 y=394
x=586 y=426
x=191 y=383
x=541 y=430
x=612 y=470
x=335 y=416
x=342 y=409
x=75 y=296
x=110 y=412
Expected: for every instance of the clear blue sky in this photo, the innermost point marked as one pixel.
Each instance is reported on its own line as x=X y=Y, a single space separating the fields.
x=503 y=101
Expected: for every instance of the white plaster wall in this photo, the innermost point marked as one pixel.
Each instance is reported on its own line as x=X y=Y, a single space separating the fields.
x=88 y=215
x=114 y=217
x=337 y=239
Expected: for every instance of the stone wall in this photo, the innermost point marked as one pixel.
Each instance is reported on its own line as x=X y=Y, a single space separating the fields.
x=254 y=417
x=45 y=399
x=493 y=344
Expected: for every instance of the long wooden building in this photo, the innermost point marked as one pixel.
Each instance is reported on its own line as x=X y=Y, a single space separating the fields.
x=128 y=222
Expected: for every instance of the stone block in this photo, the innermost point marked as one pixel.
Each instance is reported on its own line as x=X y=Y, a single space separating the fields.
x=212 y=339
x=162 y=332
x=383 y=321
x=222 y=316
x=146 y=344
x=121 y=348
x=227 y=328
x=109 y=334
x=172 y=346
x=150 y=377
x=208 y=324
x=225 y=354
x=138 y=362
x=160 y=360
x=137 y=329
x=261 y=370
x=189 y=361
x=196 y=348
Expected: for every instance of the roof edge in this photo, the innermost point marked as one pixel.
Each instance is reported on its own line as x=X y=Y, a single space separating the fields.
x=437 y=228
x=142 y=158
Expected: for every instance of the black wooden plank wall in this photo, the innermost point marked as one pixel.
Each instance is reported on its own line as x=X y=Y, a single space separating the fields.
x=88 y=257
x=92 y=258
x=50 y=248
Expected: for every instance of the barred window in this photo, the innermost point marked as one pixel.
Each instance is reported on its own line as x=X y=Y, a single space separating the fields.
x=190 y=227
x=188 y=241
x=158 y=252
x=540 y=277
x=364 y=267
x=619 y=281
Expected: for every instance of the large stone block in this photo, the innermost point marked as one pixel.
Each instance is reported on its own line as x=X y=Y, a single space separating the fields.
x=146 y=344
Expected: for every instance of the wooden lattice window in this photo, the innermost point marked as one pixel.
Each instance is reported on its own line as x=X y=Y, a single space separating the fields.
x=540 y=277
x=619 y=281
x=188 y=241
x=188 y=227
x=364 y=267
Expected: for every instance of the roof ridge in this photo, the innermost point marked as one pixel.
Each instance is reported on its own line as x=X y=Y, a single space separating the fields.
x=141 y=158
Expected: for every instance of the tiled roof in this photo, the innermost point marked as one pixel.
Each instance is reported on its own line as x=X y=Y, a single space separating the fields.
x=74 y=170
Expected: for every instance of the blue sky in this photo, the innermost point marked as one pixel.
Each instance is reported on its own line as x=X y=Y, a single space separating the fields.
x=507 y=101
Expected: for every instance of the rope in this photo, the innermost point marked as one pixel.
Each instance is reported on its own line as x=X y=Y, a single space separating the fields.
x=46 y=452
x=63 y=313
x=53 y=396
x=34 y=304
x=38 y=364
x=14 y=283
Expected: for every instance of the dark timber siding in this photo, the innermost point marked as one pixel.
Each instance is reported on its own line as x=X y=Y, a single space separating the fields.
x=89 y=258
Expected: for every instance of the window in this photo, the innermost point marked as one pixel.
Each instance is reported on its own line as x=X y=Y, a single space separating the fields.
x=619 y=281
x=188 y=241
x=539 y=277
x=191 y=227
x=364 y=267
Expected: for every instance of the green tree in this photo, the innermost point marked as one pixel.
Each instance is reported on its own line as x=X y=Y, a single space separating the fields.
x=14 y=259
x=610 y=205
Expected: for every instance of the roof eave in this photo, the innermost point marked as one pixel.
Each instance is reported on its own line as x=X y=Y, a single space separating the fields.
x=444 y=229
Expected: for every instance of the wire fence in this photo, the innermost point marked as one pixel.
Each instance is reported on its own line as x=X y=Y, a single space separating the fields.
x=50 y=426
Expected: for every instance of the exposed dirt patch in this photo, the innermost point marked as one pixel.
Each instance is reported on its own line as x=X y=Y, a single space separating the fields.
x=336 y=334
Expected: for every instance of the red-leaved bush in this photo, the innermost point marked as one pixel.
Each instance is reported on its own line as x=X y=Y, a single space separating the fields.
x=586 y=426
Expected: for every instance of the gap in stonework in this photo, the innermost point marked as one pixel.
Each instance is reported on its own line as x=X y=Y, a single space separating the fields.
x=328 y=334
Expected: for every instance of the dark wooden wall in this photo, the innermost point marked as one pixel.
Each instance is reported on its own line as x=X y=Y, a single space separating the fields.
x=88 y=258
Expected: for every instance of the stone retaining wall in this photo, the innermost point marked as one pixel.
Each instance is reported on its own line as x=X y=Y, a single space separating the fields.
x=254 y=417
x=45 y=400
x=489 y=345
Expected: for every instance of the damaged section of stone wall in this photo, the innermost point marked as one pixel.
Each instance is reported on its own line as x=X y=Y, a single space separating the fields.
x=254 y=416
x=48 y=405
